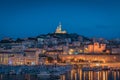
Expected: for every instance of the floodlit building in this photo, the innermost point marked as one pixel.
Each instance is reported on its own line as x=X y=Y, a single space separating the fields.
x=96 y=48
x=59 y=29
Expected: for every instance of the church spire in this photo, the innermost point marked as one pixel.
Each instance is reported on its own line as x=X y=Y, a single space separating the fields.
x=59 y=29
x=60 y=24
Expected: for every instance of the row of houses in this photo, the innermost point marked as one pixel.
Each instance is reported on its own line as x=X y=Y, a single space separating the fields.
x=26 y=57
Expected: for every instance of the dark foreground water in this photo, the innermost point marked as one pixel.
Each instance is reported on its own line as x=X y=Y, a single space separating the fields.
x=75 y=74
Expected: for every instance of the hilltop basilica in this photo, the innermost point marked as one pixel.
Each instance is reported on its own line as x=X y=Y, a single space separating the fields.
x=59 y=29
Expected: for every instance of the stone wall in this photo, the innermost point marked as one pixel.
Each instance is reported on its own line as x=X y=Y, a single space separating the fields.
x=91 y=58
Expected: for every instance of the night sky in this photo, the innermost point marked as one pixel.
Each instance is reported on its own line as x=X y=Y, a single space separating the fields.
x=91 y=18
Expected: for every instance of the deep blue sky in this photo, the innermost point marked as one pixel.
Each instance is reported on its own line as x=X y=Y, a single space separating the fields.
x=91 y=18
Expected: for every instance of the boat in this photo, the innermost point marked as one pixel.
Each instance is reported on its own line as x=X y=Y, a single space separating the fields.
x=12 y=72
x=55 y=76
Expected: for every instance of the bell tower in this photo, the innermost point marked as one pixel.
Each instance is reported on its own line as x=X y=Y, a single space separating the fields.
x=59 y=29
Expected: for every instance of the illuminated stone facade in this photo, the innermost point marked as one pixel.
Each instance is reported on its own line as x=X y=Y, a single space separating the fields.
x=90 y=58
x=59 y=29
x=96 y=48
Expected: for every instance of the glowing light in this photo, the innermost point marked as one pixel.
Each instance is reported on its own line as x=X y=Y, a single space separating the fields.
x=97 y=64
x=33 y=63
x=71 y=51
x=81 y=51
x=10 y=62
x=55 y=61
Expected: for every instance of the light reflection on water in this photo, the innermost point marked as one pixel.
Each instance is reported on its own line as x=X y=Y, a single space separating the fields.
x=91 y=75
x=74 y=74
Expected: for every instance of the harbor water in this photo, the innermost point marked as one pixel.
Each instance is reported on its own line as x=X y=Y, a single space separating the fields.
x=74 y=74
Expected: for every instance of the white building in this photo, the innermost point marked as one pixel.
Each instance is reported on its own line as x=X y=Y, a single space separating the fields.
x=59 y=29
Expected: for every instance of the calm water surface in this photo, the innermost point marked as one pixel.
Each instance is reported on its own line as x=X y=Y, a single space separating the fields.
x=74 y=74
x=91 y=75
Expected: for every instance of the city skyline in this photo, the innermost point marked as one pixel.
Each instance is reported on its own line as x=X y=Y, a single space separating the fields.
x=88 y=18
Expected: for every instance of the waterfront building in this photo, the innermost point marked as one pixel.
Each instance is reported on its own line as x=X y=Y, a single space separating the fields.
x=27 y=57
x=5 y=56
x=96 y=48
